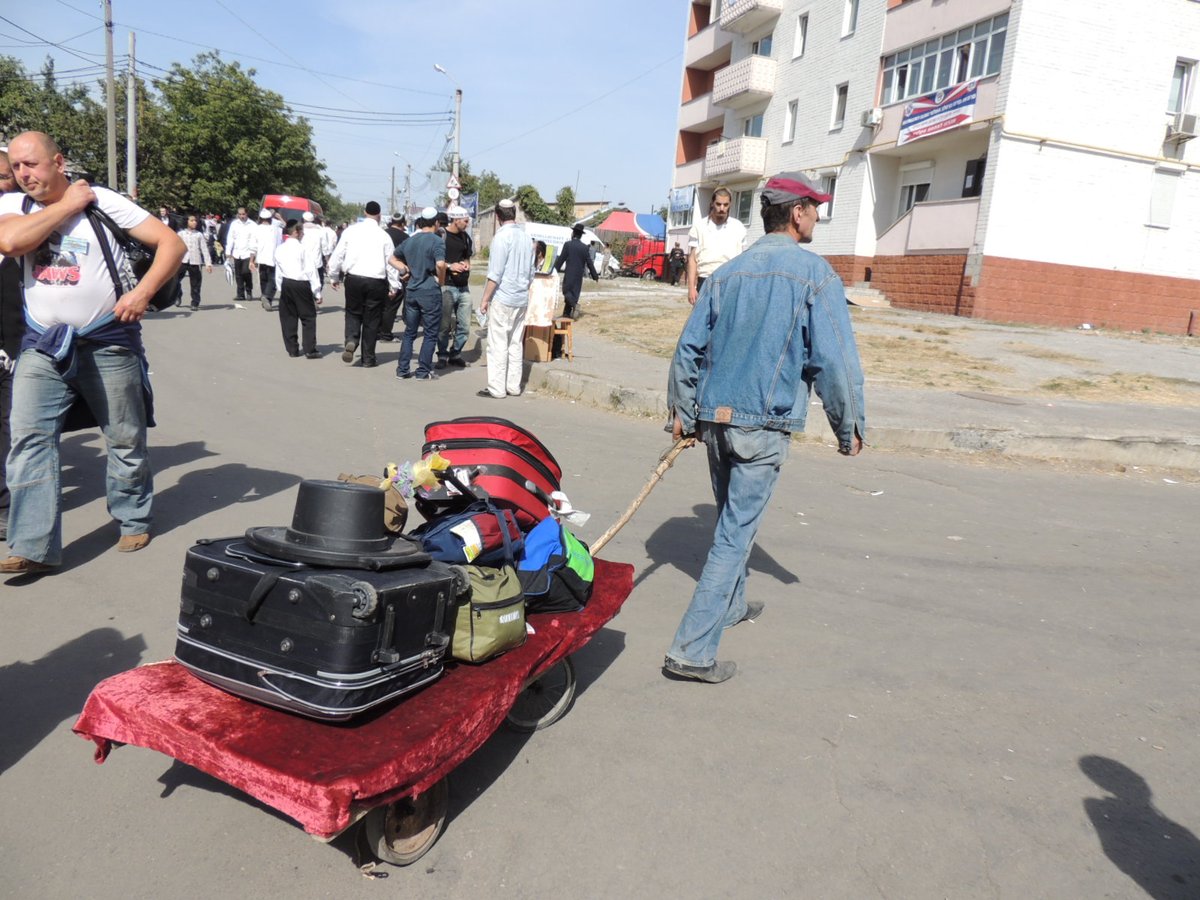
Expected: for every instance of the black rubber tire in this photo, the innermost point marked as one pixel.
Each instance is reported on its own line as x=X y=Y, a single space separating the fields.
x=545 y=700
x=649 y=275
x=400 y=833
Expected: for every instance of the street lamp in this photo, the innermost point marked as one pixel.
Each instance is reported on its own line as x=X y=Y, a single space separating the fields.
x=457 y=115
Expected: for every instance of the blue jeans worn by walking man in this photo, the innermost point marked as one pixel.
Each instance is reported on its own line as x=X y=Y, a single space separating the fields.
x=109 y=378
x=456 y=322
x=744 y=465
x=420 y=312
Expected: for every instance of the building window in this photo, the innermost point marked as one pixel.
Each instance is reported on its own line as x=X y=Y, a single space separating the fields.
x=828 y=186
x=789 y=121
x=743 y=203
x=1163 y=185
x=912 y=194
x=801 y=36
x=850 y=17
x=1181 y=86
x=915 y=180
x=681 y=219
x=840 y=95
x=972 y=52
x=762 y=47
x=752 y=127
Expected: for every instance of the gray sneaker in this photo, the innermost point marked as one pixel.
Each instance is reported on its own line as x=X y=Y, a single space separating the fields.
x=714 y=674
x=754 y=609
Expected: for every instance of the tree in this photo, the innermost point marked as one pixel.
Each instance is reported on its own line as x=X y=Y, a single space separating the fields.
x=565 y=200
x=229 y=141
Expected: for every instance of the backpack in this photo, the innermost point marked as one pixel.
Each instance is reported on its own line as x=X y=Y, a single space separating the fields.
x=556 y=570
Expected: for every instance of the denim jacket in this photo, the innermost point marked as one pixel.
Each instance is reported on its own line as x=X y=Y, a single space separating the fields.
x=768 y=326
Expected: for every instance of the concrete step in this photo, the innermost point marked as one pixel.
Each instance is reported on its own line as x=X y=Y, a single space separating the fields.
x=865 y=296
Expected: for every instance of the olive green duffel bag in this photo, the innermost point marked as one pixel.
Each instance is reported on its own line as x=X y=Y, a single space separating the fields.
x=491 y=617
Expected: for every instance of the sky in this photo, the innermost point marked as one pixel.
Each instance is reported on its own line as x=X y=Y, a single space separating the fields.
x=554 y=94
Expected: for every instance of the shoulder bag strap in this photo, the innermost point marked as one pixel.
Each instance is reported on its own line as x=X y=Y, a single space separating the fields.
x=97 y=218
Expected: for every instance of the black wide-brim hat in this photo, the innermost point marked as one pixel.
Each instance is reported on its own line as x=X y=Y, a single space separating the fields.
x=340 y=525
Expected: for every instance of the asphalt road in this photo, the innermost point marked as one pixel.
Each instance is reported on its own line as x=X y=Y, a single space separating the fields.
x=968 y=681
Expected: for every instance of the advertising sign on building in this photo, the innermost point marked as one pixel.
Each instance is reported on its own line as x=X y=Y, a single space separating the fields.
x=938 y=112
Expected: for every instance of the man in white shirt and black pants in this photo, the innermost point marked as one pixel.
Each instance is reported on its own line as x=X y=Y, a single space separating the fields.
x=267 y=235
x=239 y=246
x=297 y=281
x=361 y=256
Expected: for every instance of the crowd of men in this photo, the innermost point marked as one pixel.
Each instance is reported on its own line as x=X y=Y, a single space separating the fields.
x=767 y=325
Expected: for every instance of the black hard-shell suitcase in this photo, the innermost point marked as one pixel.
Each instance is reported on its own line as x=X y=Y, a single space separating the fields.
x=326 y=643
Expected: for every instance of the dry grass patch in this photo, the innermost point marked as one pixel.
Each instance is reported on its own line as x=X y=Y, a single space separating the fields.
x=1124 y=387
x=1049 y=355
x=925 y=362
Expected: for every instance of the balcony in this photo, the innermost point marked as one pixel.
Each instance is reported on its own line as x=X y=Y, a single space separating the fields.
x=744 y=157
x=745 y=83
x=744 y=16
x=708 y=49
x=932 y=226
x=701 y=114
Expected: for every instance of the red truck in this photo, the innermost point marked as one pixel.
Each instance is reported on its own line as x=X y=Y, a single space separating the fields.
x=645 y=258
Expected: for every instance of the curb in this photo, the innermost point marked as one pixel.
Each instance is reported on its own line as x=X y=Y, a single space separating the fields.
x=1134 y=450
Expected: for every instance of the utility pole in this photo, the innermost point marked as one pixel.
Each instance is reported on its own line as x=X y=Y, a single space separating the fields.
x=110 y=90
x=457 y=128
x=131 y=124
x=407 y=188
x=392 y=195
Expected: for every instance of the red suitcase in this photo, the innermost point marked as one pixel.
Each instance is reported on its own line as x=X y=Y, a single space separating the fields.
x=496 y=457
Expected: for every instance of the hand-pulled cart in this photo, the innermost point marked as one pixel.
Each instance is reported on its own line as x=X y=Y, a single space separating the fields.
x=387 y=768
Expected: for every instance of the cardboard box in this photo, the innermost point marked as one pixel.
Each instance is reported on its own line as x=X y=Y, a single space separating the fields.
x=537 y=342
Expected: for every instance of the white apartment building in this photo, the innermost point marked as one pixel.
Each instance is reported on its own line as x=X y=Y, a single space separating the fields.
x=1064 y=189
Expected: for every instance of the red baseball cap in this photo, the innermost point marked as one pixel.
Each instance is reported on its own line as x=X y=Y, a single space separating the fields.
x=787 y=187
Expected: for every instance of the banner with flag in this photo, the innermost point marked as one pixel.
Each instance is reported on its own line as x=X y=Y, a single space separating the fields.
x=470 y=202
x=938 y=112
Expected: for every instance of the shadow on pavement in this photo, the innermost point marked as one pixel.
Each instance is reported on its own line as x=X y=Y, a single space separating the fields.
x=84 y=461
x=195 y=495
x=683 y=542
x=1161 y=856
x=35 y=697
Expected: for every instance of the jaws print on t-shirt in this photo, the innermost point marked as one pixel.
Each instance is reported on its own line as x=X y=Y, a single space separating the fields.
x=54 y=264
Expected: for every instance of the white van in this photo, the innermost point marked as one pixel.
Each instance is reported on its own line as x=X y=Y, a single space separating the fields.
x=557 y=235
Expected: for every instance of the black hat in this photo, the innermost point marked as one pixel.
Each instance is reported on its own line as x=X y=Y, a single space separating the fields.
x=338 y=524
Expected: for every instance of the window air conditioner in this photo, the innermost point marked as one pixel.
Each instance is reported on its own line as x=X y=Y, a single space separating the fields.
x=1182 y=128
x=872 y=118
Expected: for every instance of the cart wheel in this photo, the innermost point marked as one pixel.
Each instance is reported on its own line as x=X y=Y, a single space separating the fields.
x=649 y=275
x=400 y=833
x=545 y=700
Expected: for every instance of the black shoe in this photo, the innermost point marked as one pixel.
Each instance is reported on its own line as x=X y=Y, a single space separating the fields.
x=313 y=354
x=370 y=363
x=754 y=609
x=486 y=393
x=425 y=376
x=290 y=353
x=714 y=674
x=458 y=362
x=403 y=375
x=195 y=306
x=348 y=351
x=440 y=364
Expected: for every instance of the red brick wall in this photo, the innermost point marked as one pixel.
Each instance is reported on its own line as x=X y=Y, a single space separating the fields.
x=927 y=283
x=851 y=269
x=1015 y=290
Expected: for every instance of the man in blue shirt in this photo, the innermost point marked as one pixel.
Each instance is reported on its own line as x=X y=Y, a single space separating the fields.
x=423 y=257
x=510 y=272
x=767 y=326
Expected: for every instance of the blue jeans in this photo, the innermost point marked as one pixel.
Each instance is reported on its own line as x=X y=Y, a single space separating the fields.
x=420 y=312
x=744 y=465
x=110 y=380
x=456 y=321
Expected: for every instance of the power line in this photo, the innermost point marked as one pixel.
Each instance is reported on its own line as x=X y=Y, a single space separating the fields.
x=582 y=106
x=46 y=41
x=239 y=55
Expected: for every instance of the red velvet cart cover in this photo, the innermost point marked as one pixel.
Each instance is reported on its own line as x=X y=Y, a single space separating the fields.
x=316 y=771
